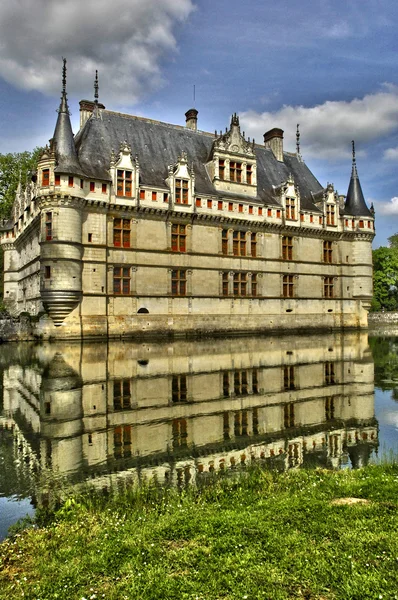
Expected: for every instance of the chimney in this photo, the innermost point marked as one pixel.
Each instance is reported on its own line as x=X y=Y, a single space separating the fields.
x=191 y=117
x=274 y=139
x=86 y=110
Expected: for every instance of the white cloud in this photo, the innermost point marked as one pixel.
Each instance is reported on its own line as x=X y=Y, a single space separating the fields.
x=327 y=129
x=124 y=39
x=391 y=154
x=388 y=208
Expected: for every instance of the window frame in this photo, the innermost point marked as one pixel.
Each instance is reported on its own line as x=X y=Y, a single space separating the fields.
x=122 y=280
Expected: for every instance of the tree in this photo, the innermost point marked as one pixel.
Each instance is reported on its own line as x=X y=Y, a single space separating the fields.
x=385 y=276
x=14 y=167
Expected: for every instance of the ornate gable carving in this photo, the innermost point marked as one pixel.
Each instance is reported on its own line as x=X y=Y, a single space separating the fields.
x=233 y=165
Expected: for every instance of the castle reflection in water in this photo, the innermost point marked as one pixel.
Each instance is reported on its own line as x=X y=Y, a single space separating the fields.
x=178 y=410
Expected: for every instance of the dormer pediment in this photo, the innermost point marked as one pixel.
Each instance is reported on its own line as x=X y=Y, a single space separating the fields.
x=124 y=171
x=233 y=166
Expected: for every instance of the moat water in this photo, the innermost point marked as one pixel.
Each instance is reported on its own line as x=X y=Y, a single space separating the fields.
x=118 y=413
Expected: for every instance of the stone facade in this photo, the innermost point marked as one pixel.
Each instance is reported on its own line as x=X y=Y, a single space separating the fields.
x=137 y=227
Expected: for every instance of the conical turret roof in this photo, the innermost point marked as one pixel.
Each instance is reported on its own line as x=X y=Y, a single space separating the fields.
x=63 y=140
x=355 y=202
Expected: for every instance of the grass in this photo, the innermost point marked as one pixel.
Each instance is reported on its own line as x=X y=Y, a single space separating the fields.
x=259 y=535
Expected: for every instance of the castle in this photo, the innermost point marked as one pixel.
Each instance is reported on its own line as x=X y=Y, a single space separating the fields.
x=135 y=226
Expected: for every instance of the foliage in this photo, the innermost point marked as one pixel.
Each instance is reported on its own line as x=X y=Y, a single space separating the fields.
x=385 y=356
x=257 y=535
x=14 y=167
x=385 y=277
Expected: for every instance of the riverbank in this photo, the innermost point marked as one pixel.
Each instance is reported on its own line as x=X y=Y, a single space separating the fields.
x=301 y=534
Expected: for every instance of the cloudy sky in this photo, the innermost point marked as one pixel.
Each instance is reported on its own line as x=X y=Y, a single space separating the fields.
x=327 y=64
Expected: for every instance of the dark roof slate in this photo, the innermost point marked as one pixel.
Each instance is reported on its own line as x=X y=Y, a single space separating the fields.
x=355 y=204
x=63 y=140
x=159 y=145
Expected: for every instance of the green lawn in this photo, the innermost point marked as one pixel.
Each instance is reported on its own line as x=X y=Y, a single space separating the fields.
x=258 y=535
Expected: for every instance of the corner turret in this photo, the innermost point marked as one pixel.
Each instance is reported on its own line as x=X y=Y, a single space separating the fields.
x=63 y=140
x=355 y=204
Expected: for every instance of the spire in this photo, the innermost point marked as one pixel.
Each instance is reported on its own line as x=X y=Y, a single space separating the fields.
x=63 y=142
x=355 y=202
x=96 y=88
x=298 y=142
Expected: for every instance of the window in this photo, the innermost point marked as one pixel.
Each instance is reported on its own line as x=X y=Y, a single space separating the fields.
x=360 y=223
x=230 y=206
x=329 y=373
x=260 y=212
x=179 y=433
x=92 y=186
x=320 y=220
x=179 y=388
x=301 y=217
x=255 y=381
x=70 y=181
x=328 y=287
x=225 y=384
x=288 y=415
x=225 y=284
x=178 y=238
x=121 y=394
x=240 y=284
x=311 y=218
x=49 y=226
x=249 y=174
x=198 y=202
x=179 y=282
x=278 y=214
x=224 y=241
x=330 y=214
x=346 y=222
x=327 y=252
x=254 y=284
x=253 y=245
x=353 y=223
x=219 y=205
x=90 y=237
x=210 y=204
x=288 y=378
x=226 y=434
x=45 y=177
x=329 y=409
x=181 y=191
x=241 y=208
x=124 y=183
x=142 y=194
x=235 y=171
x=269 y=212
x=57 y=179
x=240 y=383
x=154 y=196
x=121 y=233
x=287 y=247
x=47 y=272
x=239 y=243
x=221 y=169
x=165 y=197
x=82 y=184
x=240 y=423
x=290 y=208
x=122 y=441
x=250 y=210
x=288 y=286
x=121 y=281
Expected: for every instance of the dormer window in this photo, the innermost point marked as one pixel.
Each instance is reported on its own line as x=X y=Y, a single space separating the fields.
x=124 y=183
x=221 y=169
x=330 y=214
x=181 y=196
x=45 y=180
x=290 y=208
x=249 y=174
x=235 y=171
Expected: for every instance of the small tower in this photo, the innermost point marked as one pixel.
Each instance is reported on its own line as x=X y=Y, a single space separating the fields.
x=60 y=197
x=355 y=204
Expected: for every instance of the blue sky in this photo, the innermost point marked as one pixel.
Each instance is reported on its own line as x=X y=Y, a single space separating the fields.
x=330 y=66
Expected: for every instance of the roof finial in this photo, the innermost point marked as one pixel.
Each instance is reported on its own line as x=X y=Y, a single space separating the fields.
x=354 y=162
x=63 y=107
x=64 y=76
x=298 y=139
x=96 y=87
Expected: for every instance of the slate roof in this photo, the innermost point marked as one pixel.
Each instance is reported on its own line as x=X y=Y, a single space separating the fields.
x=355 y=204
x=159 y=145
x=63 y=141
